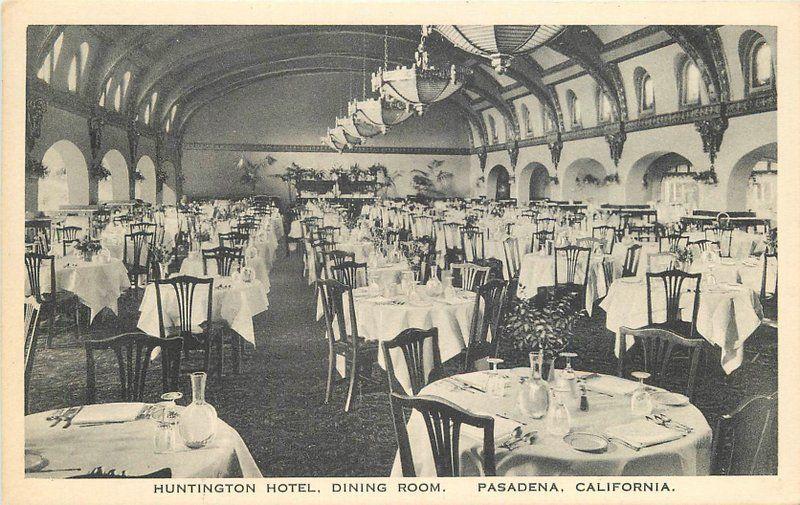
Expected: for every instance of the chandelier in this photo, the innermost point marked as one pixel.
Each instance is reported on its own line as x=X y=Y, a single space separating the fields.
x=377 y=113
x=360 y=130
x=498 y=43
x=420 y=84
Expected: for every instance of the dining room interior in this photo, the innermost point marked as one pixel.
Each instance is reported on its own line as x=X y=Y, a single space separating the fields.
x=400 y=250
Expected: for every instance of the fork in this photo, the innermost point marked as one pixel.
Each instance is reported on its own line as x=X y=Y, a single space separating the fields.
x=69 y=416
x=668 y=420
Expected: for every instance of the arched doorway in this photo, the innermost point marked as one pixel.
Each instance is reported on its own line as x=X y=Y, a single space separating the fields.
x=146 y=189
x=752 y=183
x=168 y=196
x=67 y=181
x=497 y=184
x=534 y=183
x=643 y=183
x=584 y=180
x=116 y=186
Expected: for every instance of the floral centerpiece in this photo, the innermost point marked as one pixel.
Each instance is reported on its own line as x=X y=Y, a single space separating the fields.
x=162 y=257
x=683 y=257
x=415 y=251
x=88 y=247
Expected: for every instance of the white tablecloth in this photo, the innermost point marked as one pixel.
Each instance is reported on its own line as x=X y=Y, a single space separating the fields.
x=97 y=284
x=549 y=454
x=537 y=271
x=129 y=447
x=235 y=305
x=260 y=260
x=727 y=315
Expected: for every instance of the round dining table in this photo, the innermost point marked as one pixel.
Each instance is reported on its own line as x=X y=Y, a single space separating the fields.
x=120 y=437
x=525 y=446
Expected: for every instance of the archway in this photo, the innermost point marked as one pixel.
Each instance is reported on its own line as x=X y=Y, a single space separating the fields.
x=67 y=181
x=497 y=184
x=759 y=193
x=168 y=196
x=116 y=186
x=146 y=189
x=534 y=183
x=584 y=180
x=643 y=182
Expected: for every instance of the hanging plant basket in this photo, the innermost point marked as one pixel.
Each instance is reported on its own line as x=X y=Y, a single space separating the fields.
x=138 y=176
x=553 y=180
x=611 y=178
x=99 y=172
x=35 y=169
x=706 y=177
x=315 y=186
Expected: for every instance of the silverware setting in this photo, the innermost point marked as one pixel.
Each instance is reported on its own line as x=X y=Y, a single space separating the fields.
x=464 y=386
x=70 y=416
x=667 y=422
x=622 y=442
x=506 y=416
x=519 y=439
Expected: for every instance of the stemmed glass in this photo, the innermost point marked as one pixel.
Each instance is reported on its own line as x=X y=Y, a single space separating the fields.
x=641 y=403
x=166 y=436
x=568 y=373
x=495 y=386
x=559 y=421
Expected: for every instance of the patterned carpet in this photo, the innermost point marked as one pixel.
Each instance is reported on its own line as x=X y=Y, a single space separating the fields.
x=276 y=403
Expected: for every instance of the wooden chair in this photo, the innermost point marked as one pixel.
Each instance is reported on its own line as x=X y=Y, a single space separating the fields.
x=673 y=241
x=336 y=258
x=607 y=233
x=492 y=294
x=746 y=439
x=472 y=243
x=67 y=233
x=356 y=351
x=673 y=284
x=233 y=239
x=597 y=245
x=539 y=240
x=546 y=224
x=764 y=294
x=644 y=233
x=142 y=226
x=412 y=342
x=225 y=257
x=49 y=298
x=32 y=308
x=511 y=253
x=37 y=232
x=328 y=233
x=196 y=336
x=471 y=276
x=722 y=236
x=246 y=228
x=572 y=283
x=138 y=262
x=133 y=351
x=704 y=245
x=443 y=420
x=657 y=346
x=630 y=267
x=347 y=273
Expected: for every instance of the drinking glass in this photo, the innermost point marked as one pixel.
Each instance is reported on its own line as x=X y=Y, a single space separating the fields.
x=496 y=385
x=568 y=373
x=534 y=397
x=559 y=421
x=641 y=403
x=166 y=435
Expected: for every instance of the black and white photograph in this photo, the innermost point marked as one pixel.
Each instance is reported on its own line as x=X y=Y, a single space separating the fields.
x=401 y=250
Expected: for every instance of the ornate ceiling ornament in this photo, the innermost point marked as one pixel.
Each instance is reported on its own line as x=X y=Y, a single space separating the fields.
x=555 y=144
x=616 y=143
x=711 y=132
x=34 y=115
x=513 y=153
x=498 y=43
x=422 y=83
x=95 y=133
x=361 y=130
x=482 y=156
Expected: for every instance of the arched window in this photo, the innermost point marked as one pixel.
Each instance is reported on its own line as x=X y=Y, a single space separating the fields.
x=526 y=120
x=84 y=52
x=690 y=84
x=574 y=110
x=50 y=62
x=645 y=95
x=492 y=130
x=105 y=95
x=150 y=108
x=118 y=97
x=147 y=114
x=756 y=59
x=72 y=75
x=547 y=122
x=126 y=80
x=173 y=110
x=604 y=111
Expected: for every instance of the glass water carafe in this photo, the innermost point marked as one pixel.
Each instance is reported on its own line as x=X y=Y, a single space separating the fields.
x=534 y=397
x=198 y=422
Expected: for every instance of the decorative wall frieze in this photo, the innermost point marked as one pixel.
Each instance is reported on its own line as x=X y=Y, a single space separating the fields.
x=305 y=148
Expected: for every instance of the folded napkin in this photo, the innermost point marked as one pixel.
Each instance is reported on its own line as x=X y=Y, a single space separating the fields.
x=610 y=385
x=108 y=413
x=643 y=433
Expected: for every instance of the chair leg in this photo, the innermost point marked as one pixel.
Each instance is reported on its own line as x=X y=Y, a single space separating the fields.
x=329 y=386
x=351 y=387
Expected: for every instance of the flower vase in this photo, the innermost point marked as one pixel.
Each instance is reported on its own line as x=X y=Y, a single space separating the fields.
x=198 y=421
x=87 y=256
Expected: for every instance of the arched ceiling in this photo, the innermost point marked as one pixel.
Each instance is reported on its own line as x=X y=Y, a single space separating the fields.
x=194 y=65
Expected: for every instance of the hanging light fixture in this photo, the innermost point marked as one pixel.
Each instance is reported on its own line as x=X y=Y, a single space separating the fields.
x=378 y=114
x=420 y=84
x=498 y=43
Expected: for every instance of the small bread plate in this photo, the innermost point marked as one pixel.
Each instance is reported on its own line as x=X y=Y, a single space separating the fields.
x=587 y=442
x=34 y=461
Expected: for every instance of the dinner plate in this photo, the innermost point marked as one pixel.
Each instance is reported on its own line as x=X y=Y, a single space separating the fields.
x=34 y=461
x=671 y=399
x=587 y=442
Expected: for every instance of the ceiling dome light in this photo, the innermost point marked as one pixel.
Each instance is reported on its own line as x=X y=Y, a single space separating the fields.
x=498 y=43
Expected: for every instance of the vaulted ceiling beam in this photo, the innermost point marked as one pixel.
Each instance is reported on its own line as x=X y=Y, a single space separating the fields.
x=462 y=102
x=703 y=45
x=527 y=72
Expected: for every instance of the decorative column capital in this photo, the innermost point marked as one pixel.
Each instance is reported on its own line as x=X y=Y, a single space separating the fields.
x=482 y=157
x=616 y=143
x=34 y=116
x=712 y=131
x=513 y=153
x=555 y=144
